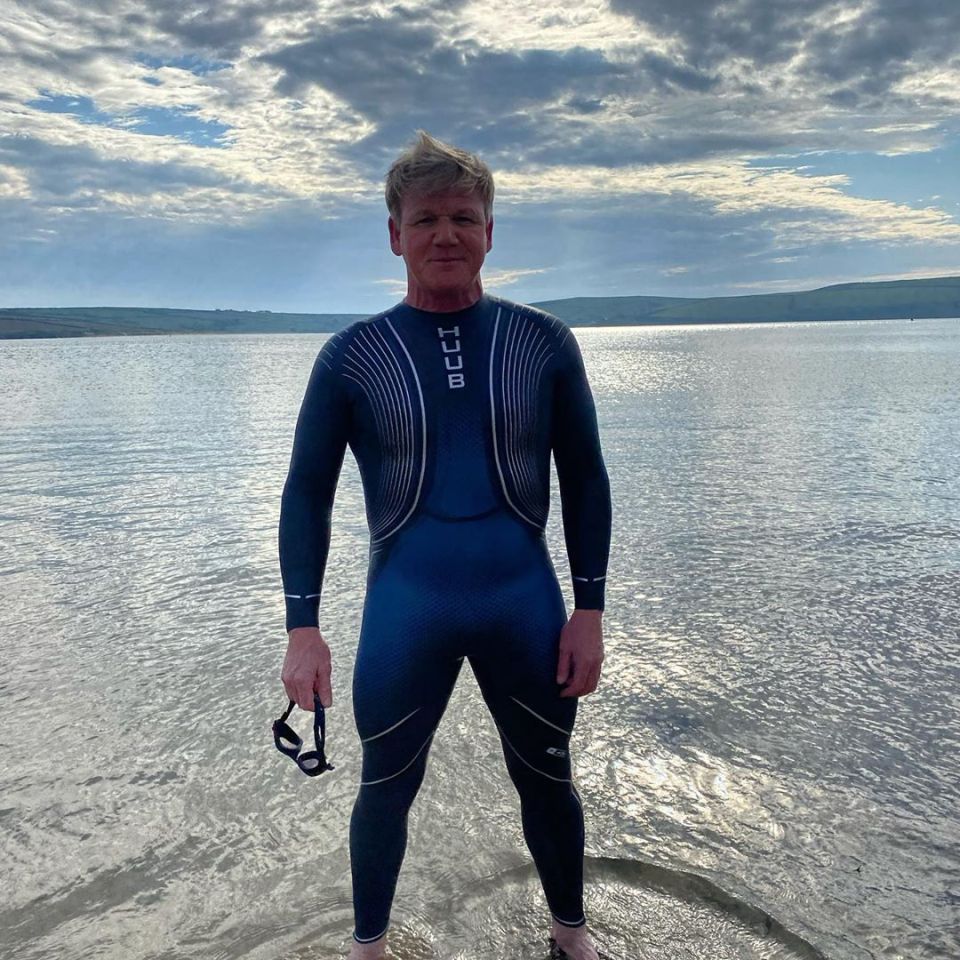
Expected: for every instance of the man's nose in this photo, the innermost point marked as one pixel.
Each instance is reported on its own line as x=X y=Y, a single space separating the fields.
x=445 y=232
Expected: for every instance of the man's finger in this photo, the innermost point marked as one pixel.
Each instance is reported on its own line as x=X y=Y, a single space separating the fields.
x=564 y=665
x=575 y=687
x=326 y=694
x=592 y=681
x=305 y=696
x=590 y=677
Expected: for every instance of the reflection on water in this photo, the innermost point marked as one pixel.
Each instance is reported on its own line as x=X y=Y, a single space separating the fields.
x=769 y=769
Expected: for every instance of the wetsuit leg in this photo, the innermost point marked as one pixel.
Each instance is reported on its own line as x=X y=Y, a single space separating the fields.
x=403 y=679
x=516 y=671
x=485 y=590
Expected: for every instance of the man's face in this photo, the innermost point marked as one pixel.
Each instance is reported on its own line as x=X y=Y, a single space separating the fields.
x=443 y=239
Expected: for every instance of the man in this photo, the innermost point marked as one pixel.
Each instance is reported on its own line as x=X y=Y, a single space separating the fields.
x=452 y=402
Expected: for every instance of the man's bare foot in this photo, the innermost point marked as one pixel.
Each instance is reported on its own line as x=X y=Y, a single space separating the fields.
x=575 y=942
x=369 y=951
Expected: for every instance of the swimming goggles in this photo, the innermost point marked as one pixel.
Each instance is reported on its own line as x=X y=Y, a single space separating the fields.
x=311 y=762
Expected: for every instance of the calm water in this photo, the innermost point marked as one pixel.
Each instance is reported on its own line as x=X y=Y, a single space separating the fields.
x=770 y=768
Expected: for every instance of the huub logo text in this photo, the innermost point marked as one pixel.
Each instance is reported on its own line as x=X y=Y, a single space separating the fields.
x=556 y=752
x=452 y=358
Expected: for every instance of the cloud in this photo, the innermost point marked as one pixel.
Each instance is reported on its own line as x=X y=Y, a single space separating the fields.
x=192 y=62
x=852 y=55
x=395 y=286
x=13 y=183
x=707 y=33
x=58 y=171
x=506 y=278
x=409 y=69
x=645 y=122
x=883 y=43
x=695 y=80
x=793 y=207
x=493 y=279
x=223 y=28
x=828 y=279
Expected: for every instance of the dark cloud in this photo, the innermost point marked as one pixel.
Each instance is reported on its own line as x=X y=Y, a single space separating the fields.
x=78 y=66
x=584 y=104
x=867 y=53
x=403 y=71
x=381 y=65
x=890 y=40
x=224 y=28
x=711 y=31
x=60 y=174
x=221 y=28
x=662 y=73
x=408 y=69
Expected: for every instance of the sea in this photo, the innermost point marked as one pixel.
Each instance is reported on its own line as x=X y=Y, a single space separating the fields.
x=770 y=766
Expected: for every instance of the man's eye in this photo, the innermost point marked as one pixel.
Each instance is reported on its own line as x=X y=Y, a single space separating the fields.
x=464 y=219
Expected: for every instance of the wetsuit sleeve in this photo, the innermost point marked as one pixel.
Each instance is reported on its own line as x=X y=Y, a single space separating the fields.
x=582 y=476
x=306 y=505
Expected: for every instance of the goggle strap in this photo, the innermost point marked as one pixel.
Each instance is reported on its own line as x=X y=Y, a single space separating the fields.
x=320 y=731
x=319 y=723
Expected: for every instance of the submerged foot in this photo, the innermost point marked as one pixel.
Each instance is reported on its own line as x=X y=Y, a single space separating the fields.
x=369 y=951
x=572 y=943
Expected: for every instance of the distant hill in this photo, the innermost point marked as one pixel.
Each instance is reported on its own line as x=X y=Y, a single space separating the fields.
x=886 y=300
x=133 y=321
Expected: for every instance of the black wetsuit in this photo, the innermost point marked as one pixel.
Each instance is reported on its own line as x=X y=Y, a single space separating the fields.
x=452 y=418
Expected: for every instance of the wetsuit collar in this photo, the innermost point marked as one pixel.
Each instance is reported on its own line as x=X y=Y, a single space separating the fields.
x=475 y=309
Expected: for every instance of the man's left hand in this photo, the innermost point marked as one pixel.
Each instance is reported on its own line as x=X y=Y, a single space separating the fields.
x=581 y=653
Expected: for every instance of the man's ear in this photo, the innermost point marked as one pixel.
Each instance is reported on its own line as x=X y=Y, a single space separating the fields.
x=394 y=229
x=489 y=234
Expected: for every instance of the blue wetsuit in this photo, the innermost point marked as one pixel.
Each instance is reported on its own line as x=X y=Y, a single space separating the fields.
x=452 y=418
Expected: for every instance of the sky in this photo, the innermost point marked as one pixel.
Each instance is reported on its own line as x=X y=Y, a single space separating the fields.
x=232 y=155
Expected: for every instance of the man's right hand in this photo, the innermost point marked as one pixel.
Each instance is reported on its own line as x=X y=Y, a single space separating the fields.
x=306 y=668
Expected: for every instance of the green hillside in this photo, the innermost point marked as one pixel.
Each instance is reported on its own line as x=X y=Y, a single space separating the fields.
x=133 y=321
x=887 y=300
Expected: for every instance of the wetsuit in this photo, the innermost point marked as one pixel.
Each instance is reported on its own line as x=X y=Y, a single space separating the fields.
x=452 y=418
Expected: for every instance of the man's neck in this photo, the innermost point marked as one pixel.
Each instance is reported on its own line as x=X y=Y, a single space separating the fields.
x=447 y=302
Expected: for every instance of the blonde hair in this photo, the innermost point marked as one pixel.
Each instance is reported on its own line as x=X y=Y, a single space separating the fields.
x=432 y=166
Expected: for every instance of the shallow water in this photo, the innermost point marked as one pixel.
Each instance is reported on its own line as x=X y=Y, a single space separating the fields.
x=770 y=767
